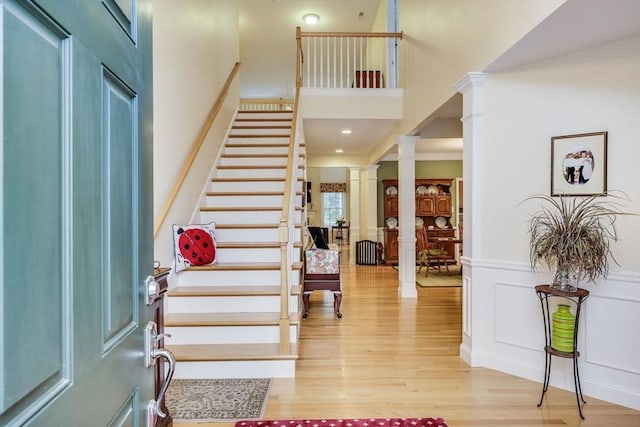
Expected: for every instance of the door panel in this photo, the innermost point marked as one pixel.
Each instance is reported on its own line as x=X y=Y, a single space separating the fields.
x=32 y=243
x=118 y=123
x=75 y=166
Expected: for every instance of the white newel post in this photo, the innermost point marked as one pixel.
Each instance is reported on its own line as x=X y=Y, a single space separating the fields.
x=407 y=214
x=354 y=212
x=471 y=88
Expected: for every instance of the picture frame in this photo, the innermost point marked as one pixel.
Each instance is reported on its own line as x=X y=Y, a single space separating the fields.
x=579 y=164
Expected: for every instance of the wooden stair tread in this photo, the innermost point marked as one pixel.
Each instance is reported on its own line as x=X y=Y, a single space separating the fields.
x=251 y=179
x=242 y=208
x=252 y=266
x=277 y=119
x=258 y=155
x=252 y=245
x=288 y=112
x=230 y=290
x=245 y=193
x=255 y=167
x=256 y=145
x=262 y=127
x=250 y=226
x=271 y=135
x=222 y=352
x=227 y=319
x=248 y=193
x=221 y=291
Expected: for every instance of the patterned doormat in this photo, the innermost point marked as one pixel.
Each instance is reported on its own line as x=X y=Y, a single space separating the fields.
x=210 y=400
x=344 y=422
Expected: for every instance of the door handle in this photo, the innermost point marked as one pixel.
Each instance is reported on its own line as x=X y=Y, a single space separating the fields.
x=171 y=359
x=151 y=353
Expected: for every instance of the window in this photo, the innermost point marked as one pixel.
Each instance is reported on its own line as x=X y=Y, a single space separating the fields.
x=332 y=208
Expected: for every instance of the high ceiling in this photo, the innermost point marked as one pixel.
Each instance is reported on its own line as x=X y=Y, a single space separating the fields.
x=267 y=53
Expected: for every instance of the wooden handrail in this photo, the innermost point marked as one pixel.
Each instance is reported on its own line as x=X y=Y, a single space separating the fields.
x=215 y=109
x=285 y=220
x=347 y=34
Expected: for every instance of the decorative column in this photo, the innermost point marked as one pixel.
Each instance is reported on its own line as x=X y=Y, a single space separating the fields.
x=407 y=216
x=471 y=88
x=371 y=202
x=354 y=212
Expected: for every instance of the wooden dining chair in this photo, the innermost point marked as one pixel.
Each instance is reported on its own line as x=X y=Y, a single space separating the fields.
x=429 y=253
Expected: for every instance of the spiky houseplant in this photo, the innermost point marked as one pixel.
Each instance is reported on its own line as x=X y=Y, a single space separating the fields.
x=572 y=236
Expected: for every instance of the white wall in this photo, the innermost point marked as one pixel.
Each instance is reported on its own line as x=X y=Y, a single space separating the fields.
x=589 y=91
x=195 y=46
x=445 y=39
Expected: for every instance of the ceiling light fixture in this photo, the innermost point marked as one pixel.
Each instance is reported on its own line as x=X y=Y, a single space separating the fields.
x=346 y=131
x=311 y=18
x=339 y=150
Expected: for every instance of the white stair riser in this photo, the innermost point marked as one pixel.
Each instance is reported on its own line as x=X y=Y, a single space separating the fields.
x=276 y=115
x=261 y=131
x=261 y=124
x=232 y=277
x=246 y=217
x=228 y=304
x=251 y=234
x=253 y=161
x=236 y=369
x=235 y=255
x=255 y=173
x=227 y=334
x=247 y=201
x=245 y=186
x=243 y=201
x=257 y=151
x=266 y=140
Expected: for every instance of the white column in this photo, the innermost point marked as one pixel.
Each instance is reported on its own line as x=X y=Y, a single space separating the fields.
x=354 y=212
x=471 y=88
x=371 y=202
x=407 y=214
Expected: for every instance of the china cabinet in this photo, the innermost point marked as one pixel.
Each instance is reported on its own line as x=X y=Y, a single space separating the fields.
x=433 y=211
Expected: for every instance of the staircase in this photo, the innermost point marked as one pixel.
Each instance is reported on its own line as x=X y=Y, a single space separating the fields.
x=225 y=319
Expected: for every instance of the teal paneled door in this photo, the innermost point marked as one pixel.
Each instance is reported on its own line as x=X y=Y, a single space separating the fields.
x=76 y=211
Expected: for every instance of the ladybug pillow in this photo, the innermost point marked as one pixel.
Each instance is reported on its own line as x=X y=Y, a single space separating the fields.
x=193 y=245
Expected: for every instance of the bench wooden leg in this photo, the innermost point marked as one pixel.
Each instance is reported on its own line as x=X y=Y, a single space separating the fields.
x=305 y=300
x=337 y=300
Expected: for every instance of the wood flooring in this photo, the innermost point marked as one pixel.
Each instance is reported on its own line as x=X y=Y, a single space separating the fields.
x=392 y=357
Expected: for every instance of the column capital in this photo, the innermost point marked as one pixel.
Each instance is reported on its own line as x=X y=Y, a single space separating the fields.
x=470 y=81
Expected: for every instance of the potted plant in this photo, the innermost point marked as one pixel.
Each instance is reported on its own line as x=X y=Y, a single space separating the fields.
x=572 y=236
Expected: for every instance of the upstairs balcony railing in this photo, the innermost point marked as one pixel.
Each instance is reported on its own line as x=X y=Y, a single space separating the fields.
x=348 y=60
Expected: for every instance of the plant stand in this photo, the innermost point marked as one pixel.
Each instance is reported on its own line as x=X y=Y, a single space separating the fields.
x=577 y=297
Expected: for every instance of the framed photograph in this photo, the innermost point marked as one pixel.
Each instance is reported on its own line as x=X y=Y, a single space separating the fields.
x=579 y=164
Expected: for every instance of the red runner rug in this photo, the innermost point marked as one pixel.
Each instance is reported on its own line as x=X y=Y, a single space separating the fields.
x=347 y=422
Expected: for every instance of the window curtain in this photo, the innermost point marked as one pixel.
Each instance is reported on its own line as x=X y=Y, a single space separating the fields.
x=333 y=187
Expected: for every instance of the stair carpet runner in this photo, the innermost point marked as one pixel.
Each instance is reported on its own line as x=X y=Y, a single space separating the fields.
x=224 y=319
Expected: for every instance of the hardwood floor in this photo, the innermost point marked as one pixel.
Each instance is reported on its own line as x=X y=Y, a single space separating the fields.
x=391 y=357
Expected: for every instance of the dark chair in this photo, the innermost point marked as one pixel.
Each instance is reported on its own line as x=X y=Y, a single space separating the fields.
x=429 y=253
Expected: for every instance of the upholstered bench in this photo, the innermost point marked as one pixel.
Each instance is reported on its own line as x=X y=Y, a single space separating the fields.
x=322 y=273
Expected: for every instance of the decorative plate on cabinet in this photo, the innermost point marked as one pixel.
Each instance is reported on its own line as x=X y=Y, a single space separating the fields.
x=432 y=190
x=419 y=222
x=422 y=190
x=392 y=222
x=392 y=191
x=441 y=222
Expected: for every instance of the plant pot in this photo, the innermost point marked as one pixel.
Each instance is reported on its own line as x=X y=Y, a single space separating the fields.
x=563 y=329
x=565 y=281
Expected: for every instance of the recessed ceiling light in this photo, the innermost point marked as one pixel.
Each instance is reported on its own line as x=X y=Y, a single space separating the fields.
x=339 y=150
x=346 y=131
x=311 y=18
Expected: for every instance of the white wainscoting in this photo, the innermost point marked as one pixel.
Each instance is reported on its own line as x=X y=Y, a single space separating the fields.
x=506 y=330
